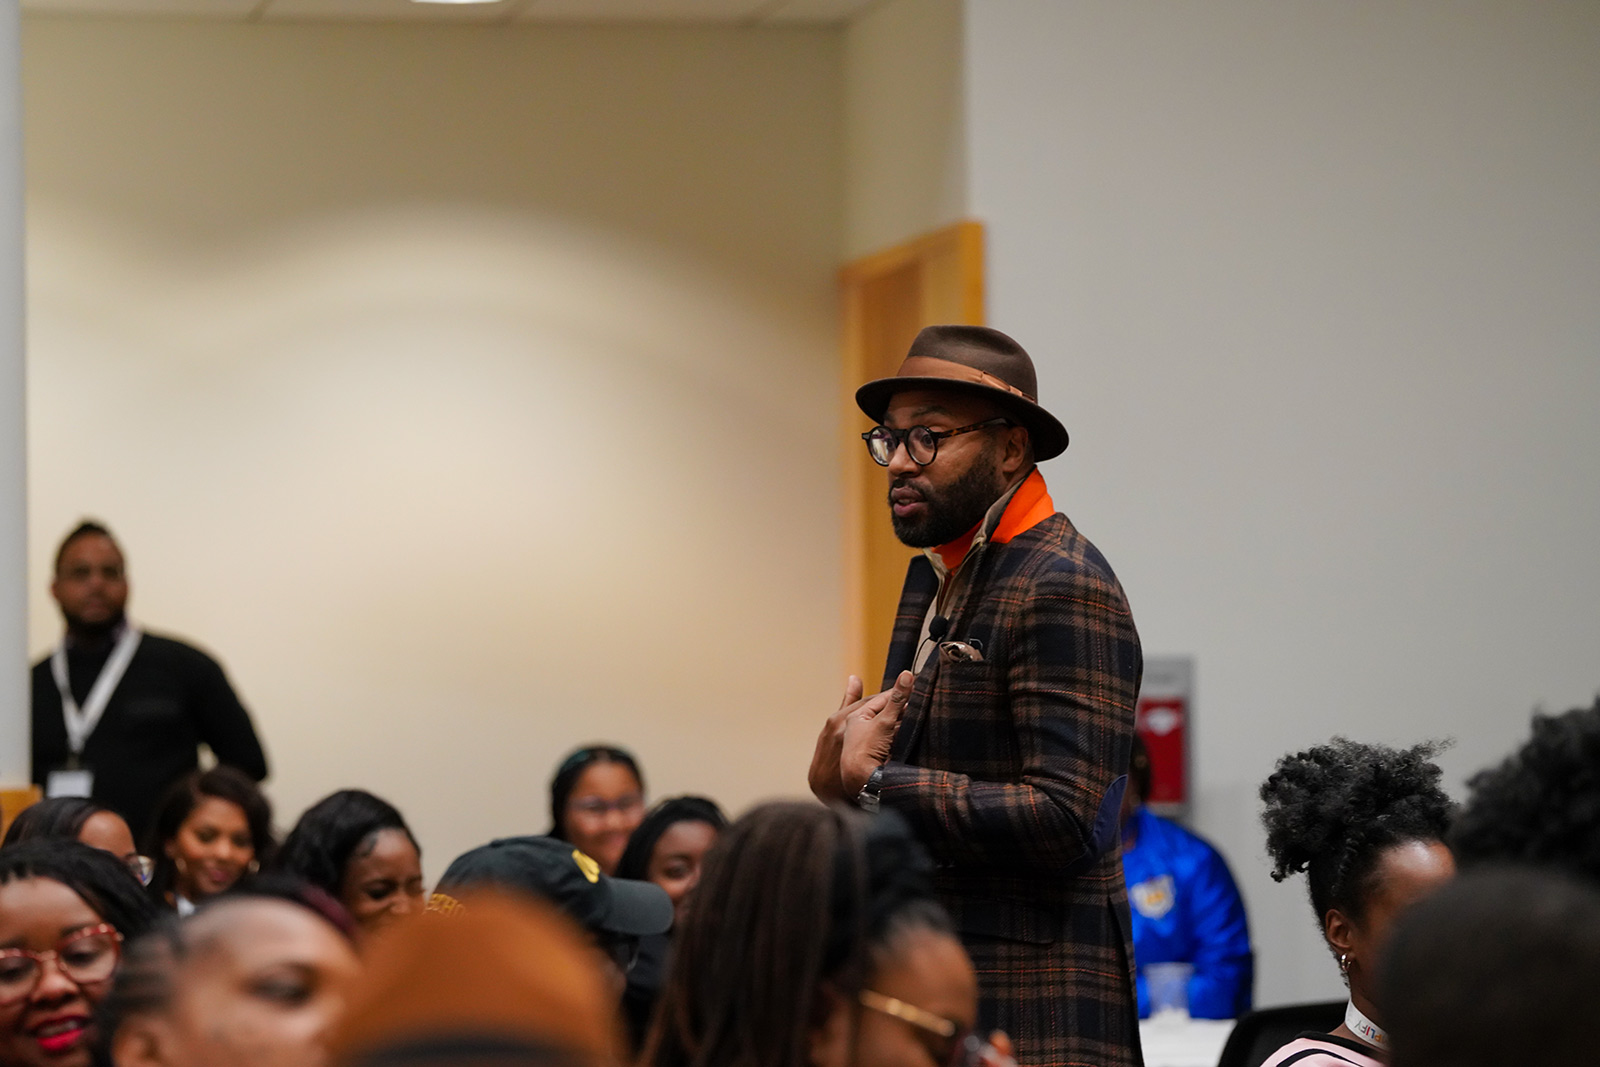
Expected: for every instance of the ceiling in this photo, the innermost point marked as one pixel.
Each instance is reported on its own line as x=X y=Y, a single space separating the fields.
x=726 y=12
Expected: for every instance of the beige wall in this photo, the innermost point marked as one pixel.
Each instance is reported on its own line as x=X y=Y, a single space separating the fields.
x=1314 y=288
x=471 y=392
x=905 y=131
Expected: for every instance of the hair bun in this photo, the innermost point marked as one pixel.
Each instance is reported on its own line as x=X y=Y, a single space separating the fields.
x=1326 y=800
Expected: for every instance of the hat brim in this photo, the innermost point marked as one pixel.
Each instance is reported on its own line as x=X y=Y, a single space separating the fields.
x=638 y=908
x=1049 y=437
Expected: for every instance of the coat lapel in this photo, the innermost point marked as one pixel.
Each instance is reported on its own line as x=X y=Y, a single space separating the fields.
x=910 y=728
x=915 y=596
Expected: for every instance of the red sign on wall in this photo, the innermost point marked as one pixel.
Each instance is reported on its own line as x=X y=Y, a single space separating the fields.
x=1163 y=720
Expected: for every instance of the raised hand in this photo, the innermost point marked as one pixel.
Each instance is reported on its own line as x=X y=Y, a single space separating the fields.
x=869 y=732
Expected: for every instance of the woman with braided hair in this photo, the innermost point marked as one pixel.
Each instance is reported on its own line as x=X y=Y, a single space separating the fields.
x=1366 y=825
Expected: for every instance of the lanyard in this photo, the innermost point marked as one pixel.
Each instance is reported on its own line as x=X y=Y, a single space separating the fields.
x=82 y=721
x=1365 y=1028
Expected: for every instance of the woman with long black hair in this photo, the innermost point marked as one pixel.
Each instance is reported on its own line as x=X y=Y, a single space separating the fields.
x=816 y=941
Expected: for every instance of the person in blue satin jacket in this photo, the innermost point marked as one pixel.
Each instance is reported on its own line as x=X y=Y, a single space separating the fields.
x=1185 y=906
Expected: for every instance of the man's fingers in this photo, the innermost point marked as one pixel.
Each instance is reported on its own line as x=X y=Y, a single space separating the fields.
x=870 y=707
x=892 y=699
x=852 y=692
x=897 y=697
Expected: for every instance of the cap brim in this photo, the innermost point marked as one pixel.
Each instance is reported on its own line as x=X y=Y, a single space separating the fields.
x=1044 y=429
x=638 y=908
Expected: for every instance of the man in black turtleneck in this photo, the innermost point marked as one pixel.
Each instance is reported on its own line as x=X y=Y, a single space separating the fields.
x=137 y=706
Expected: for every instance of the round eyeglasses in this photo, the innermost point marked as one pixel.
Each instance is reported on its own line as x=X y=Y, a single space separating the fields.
x=600 y=807
x=922 y=444
x=86 y=956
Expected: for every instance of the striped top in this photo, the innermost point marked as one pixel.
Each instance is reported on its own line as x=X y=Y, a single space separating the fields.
x=1323 y=1050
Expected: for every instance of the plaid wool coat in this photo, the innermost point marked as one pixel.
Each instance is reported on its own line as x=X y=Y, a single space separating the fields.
x=1012 y=770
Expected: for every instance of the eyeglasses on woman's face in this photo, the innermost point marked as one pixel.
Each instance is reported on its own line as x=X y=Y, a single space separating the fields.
x=86 y=956
x=950 y=1044
x=600 y=807
x=922 y=443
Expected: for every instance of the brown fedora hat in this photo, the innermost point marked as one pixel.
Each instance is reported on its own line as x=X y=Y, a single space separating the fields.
x=976 y=360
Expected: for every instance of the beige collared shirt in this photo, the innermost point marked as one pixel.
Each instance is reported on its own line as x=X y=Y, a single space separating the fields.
x=950 y=580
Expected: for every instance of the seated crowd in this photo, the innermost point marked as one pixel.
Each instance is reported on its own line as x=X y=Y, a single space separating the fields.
x=798 y=935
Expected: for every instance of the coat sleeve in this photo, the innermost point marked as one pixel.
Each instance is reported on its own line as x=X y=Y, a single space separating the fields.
x=1066 y=691
x=223 y=723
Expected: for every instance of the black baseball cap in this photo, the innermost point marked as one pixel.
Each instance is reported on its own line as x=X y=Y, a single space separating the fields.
x=566 y=877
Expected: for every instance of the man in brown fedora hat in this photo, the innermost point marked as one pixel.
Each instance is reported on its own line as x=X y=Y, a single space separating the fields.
x=1003 y=730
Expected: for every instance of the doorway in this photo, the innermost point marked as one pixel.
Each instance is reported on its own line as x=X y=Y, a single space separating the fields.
x=888 y=296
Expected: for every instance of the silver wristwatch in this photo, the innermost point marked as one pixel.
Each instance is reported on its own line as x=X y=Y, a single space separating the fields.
x=867 y=800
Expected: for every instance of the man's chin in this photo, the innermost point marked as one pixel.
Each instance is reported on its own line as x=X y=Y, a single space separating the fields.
x=914 y=534
x=93 y=625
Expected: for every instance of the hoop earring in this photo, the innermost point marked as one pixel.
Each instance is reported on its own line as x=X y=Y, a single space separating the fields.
x=1344 y=964
x=255 y=865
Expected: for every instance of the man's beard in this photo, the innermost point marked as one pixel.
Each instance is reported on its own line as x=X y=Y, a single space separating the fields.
x=955 y=509
x=93 y=630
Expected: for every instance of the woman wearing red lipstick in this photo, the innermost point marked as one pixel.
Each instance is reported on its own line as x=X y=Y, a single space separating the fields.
x=213 y=828
x=65 y=909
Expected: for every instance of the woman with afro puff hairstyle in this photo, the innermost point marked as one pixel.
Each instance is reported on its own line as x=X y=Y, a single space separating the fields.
x=1366 y=825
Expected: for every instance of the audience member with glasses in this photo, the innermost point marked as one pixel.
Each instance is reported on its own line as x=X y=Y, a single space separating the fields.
x=65 y=910
x=816 y=941
x=597 y=802
x=81 y=819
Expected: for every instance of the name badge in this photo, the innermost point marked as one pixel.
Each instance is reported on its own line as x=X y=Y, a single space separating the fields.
x=77 y=782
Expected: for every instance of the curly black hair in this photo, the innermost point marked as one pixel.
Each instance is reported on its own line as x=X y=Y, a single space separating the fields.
x=1332 y=811
x=1542 y=805
x=320 y=846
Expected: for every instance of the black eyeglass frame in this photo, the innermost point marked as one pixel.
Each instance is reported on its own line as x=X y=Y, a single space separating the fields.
x=895 y=438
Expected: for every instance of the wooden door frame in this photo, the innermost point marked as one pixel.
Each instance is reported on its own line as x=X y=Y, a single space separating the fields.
x=962 y=300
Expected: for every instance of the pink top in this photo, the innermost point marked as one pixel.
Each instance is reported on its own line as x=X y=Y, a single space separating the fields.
x=1323 y=1050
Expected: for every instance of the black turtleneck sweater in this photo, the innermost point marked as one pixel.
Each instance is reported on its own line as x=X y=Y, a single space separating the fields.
x=172 y=698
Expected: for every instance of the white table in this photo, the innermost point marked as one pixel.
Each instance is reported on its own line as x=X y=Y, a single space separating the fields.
x=1172 y=1040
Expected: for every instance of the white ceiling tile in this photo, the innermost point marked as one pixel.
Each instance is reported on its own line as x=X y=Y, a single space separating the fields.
x=223 y=9
x=642 y=10
x=385 y=10
x=816 y=11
